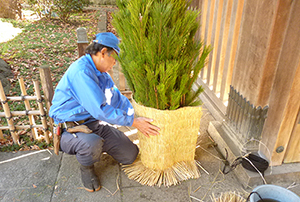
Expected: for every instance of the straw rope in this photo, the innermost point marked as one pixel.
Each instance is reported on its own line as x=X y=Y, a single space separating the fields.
x=228 y=197
x=167 y=158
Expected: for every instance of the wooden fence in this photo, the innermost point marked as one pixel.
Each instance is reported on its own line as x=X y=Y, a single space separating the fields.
x=256 y=50
x=220 y=27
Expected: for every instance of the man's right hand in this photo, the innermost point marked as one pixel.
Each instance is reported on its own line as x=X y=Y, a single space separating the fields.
x=145 y=126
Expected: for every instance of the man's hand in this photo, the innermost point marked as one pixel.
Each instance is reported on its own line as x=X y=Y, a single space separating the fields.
x=144 y=126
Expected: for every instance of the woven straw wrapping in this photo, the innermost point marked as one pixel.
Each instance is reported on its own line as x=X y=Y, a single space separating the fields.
x=172 y=152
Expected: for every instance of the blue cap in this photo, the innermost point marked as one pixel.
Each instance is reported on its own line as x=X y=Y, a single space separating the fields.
x=108 y=39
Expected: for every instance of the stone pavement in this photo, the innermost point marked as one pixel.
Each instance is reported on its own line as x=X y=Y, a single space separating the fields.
x=44 y=176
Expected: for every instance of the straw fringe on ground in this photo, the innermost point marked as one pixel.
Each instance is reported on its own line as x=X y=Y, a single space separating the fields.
x=167 y=158
x=171 y=176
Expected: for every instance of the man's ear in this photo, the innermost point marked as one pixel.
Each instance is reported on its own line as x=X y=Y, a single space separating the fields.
x=103 y=51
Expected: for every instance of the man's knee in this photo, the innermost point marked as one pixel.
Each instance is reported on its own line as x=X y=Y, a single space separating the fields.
x=88 y=148
x=130 y=155
x=95 y=149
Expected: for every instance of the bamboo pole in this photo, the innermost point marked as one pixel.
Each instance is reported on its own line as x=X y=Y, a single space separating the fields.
x=27 y=107
x=21 y=127
x=20 y=98
x=21 y=113
x=1 y=134
x=8 y=115
x=42 y=111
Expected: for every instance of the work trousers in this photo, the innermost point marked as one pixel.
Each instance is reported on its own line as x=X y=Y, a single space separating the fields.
x=88 y=147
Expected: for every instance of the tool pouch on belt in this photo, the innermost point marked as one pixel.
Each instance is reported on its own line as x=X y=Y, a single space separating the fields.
x=79 y=128
x=57 y=130
x=71 y=128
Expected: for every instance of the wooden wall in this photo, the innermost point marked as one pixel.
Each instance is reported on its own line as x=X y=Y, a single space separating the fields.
x=256 y=49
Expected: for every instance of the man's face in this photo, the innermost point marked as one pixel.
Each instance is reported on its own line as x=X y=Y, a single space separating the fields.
x=104 y=61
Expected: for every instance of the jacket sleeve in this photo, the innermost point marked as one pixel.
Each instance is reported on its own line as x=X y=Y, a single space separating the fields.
x=90 y=96
x=121 y=102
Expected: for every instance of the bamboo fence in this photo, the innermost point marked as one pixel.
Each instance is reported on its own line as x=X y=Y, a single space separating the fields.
x=30 y=112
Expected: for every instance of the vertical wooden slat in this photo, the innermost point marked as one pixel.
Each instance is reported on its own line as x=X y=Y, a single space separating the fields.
x=41 y=108
x=254 y=126
x=242 y=119
x=197 y=4
x=235 y=22
x=251 y=115
x=244 y=43
x=27 y=107
x=226 y=13
x=229 y=107
x=8 y=115
x=204 y=11
x=234 y=109
x=262 y=119
x=208 y=30
x=210 y=68
x=215 y=42
x=203 y=25
x=240 y=112
x=247 y=118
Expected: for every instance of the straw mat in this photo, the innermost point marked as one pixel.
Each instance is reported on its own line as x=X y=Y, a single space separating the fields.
x=167 y=158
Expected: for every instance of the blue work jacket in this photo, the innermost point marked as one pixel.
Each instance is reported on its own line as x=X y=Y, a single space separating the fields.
x=84 y=92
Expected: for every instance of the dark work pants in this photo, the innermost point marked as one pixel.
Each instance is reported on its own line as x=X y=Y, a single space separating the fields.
x=88 y=147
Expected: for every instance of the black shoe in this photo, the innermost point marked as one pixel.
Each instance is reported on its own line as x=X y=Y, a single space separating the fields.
x=89 y=178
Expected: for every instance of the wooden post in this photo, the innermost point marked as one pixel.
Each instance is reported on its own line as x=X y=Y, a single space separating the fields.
x=27 y=106
x=47 y=84
x=42 y=112
x=274 y=51
x=47 y=88
x=252 y=51
x=8 y=115
x=82 y=41
x=1 y=135
x=284 y=97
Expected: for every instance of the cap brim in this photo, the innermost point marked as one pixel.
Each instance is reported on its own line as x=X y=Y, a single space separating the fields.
x=117 y=51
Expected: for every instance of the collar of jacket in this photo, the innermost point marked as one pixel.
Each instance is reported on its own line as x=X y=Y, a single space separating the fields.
x=89 y=58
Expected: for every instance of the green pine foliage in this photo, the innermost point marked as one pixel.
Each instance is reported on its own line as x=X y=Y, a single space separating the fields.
x=159 y=56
